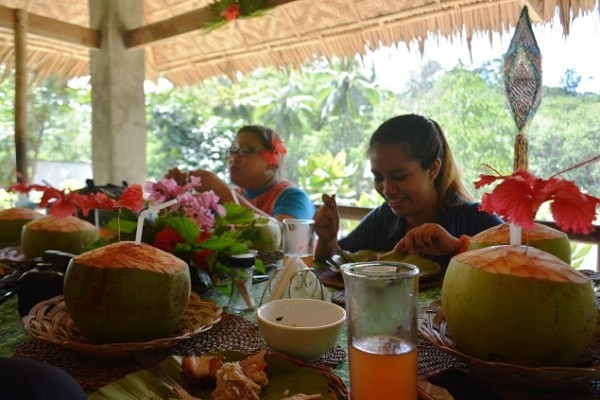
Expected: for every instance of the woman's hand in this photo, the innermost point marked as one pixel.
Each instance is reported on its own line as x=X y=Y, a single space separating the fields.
x=327 y=219
x=327 y=225
x=210 y=181
x=429 y=239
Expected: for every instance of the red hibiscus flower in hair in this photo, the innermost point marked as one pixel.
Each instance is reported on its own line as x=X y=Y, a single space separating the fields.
x=272 y=156
x=519 y=196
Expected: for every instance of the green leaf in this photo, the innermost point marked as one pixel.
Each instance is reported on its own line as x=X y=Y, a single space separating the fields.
x=185 y=227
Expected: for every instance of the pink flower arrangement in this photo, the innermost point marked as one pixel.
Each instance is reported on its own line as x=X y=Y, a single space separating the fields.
x=197 y=227
x=200 y=207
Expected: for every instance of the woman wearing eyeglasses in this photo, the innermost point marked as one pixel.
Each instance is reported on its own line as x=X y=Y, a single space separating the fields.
x=255 y=161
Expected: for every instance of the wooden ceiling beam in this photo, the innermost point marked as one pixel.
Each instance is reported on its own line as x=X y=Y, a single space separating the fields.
x=177 y=25
x=54 y=29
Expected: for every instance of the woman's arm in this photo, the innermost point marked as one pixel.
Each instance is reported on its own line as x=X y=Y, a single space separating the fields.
x=210 y=181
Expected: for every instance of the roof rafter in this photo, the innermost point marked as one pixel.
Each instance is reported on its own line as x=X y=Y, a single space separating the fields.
x=52 y=28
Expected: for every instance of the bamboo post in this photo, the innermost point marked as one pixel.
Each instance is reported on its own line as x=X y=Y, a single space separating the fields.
x=21 y=21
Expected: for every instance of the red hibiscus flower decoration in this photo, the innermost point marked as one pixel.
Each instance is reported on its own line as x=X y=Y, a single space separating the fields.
x=519 y=196
x=167 y=239
x=200 y=258
x=232 y=12
x=64 y=204
x=132 y=198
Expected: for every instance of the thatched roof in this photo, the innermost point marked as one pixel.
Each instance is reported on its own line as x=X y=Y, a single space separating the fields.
x=288 y=35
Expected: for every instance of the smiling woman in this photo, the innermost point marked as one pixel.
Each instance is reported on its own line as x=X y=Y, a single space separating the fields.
x=427 y=209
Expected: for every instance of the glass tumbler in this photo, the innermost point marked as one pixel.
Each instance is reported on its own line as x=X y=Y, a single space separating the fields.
x=298 y=239
x=242 y=269
x=381 y=307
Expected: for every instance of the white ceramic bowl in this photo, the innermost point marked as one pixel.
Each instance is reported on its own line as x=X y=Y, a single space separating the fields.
x=301 y=328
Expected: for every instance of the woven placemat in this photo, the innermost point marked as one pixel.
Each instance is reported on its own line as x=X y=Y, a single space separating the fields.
x=231 y=333
x=339 y=298
x=433 y=361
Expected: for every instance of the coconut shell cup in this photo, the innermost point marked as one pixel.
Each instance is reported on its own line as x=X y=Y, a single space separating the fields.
x=126 y=292
x=518 y=305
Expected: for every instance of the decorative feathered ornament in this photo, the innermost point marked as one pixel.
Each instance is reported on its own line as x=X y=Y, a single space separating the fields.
x=523 y=83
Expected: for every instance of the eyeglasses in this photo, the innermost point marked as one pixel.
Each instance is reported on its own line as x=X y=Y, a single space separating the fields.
x=243 y=151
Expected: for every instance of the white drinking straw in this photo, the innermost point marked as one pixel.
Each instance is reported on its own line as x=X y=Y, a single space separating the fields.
x=515 y=234
x=142 y=217
x=236 y=200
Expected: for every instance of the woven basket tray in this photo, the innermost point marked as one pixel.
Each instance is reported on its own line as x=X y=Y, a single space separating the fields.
x=49 y=321
x=433 y=327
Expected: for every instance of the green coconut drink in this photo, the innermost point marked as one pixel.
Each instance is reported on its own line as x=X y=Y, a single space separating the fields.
x=126 y=292
x=518 y=305
x=12 y=221
x=542 y=237
x=269 y=237
x=68 y=234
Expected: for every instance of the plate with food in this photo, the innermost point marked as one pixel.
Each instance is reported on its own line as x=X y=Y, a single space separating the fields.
x=426 y=266
x=209 y=376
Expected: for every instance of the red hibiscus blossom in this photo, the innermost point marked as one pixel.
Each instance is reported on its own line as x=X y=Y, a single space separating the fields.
x=132 y=198
x=200 y=258
x=272 y=156
x=167 y=239
x=65 y=204
x=519 y=196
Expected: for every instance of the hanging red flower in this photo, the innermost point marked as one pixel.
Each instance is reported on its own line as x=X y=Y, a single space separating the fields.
x=519 y=196
x=232 y=12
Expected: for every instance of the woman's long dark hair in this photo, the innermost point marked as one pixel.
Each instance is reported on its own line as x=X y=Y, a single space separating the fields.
x=423 y=140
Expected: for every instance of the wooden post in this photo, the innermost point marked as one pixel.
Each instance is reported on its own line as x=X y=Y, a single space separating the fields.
x=21 y=85
x=118 y=107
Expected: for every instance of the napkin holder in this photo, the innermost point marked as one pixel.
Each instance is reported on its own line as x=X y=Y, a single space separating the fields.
x=294 y=280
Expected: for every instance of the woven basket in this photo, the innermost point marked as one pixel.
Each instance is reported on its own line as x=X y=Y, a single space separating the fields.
x=49 y=321
x=432 y=326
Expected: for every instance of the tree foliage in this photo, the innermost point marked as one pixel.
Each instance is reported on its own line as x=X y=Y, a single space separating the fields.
x=325 y=113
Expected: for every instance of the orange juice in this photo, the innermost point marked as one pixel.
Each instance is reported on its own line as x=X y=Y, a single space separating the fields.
x=383 y=368
x=306 y=258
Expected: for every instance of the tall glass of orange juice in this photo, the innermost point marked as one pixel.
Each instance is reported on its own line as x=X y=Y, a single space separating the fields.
x=298 y=239
x=381 y=307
